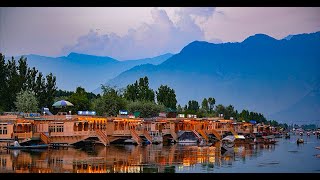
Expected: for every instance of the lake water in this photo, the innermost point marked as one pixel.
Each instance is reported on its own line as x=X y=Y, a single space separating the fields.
x=284 y=157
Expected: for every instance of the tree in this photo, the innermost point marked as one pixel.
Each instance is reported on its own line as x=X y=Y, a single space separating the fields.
x=179 y=109
x=12 y=84
x=3 y=83
x=147 y=109
x=26 y=101
x=204 y=105
x=110 y=102
x=220 y=109
x=211 y=102
x=50 y=90
x=79 y=100
x=193 y=106
x=166 y=96
x=139 y=91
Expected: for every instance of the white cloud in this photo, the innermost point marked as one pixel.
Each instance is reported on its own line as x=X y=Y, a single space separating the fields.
x=149 y=39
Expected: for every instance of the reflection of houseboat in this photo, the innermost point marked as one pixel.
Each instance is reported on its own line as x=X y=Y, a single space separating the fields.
x=187 y=137
x=266 y=140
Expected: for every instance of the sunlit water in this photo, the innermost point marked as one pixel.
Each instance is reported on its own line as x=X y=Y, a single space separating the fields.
x=284 y=157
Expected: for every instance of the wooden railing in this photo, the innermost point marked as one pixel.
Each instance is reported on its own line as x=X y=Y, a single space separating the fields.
x=102 y=137
x=135 y=136
x=44 y=138
x=203 y=134
x=232 y=131
x=147 y=135
x=174 y=135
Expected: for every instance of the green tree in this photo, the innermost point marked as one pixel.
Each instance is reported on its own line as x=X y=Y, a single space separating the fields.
x=40 y=90
x=179 y=109
x=211 y=102
x=26 y=101
x=204 y=105
x=110 y=102
x=166 y=96
x=147 y=109
x=22 y=73
x=50 y=90
x=80 y=100
x=193 y=106
x=3 y=83
x=139 y=91
x=220 y=109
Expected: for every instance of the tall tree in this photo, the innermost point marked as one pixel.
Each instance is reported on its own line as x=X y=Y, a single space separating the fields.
x=40 y=90
x=26 y=101
x=3 y=83
x=22 y=73
x=110 y=102
x=211 y=102
x=13 y=84
x=139 y=91
x=166 y=96
x=50 y=90
x=204 y=105
x=80 y=100
x=193 y=106
x=31 y=78
x=179 y=109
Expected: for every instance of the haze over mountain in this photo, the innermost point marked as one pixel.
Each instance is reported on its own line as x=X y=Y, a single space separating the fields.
x=83 y=70
x=279 y=78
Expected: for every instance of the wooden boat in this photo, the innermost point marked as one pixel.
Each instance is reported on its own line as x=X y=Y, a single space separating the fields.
x=16 y=145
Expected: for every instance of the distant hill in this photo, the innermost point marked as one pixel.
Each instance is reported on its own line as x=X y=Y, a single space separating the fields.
x=261 y=74
x=83 y=70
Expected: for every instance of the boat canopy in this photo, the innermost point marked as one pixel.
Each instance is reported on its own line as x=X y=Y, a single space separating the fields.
x=232 y=138
x=229 y=138
x=239 y=137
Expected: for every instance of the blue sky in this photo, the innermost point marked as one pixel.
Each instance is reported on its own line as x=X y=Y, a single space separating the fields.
x=139 y=32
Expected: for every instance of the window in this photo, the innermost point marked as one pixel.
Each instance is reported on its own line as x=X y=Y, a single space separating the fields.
x=3 y=129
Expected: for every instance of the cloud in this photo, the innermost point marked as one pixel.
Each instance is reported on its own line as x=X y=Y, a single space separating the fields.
x=148 y=40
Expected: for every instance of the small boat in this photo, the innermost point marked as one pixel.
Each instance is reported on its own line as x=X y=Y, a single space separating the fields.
x=227 y=143
x=287 y=136
x=16 y=145
x=300 y=140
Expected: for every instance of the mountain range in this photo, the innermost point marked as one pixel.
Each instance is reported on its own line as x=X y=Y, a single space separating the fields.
x=83 y=70
x=279 y=78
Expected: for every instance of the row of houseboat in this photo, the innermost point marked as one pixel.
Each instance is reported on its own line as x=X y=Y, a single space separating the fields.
x=73 y=129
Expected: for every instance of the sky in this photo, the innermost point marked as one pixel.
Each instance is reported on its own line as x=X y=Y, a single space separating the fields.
x=127 y=33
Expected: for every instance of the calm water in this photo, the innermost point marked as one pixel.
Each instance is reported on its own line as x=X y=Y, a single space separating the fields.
x=284 y=157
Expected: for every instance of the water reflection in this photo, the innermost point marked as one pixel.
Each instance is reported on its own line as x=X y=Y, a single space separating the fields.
x=131 y=159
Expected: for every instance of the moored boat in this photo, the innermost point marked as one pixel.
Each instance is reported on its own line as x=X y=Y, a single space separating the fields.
x=16 y=145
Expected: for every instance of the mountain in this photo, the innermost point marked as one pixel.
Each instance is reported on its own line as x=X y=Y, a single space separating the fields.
x=305 y=111
x=83 y=70
x=260 y=74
